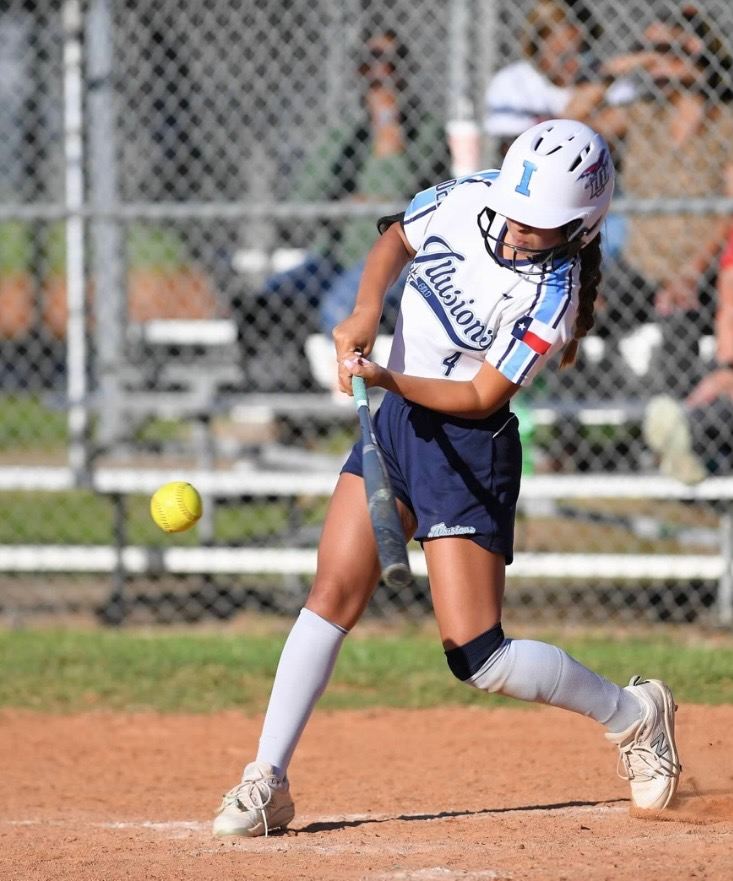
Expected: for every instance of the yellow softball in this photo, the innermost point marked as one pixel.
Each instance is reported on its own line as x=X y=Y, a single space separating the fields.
x=175 y=506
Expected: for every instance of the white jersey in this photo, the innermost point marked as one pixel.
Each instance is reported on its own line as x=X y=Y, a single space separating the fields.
x=461 y=308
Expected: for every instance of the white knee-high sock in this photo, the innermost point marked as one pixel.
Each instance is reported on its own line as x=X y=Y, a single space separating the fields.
x=306 y=663
x=535 y=671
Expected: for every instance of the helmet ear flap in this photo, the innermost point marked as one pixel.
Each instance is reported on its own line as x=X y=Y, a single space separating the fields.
x=574 y=230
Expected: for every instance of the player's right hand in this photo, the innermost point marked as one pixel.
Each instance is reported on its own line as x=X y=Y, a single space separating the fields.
x=355 y=365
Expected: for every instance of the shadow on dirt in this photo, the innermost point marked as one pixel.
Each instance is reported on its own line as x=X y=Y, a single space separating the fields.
x=329 y=826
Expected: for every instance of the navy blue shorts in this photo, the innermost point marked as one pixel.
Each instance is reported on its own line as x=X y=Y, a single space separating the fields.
x=458 y=476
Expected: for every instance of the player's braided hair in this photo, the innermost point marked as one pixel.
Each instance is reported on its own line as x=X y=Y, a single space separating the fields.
x=590 y=279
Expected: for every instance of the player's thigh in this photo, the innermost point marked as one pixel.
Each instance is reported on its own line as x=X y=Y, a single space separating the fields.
x=348 y=562
x=467 y=588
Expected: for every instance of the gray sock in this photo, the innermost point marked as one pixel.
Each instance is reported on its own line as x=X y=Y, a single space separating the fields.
x=306 y=663
x=535 y=671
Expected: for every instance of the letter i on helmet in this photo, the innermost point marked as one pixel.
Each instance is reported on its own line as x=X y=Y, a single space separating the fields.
x=558 y=173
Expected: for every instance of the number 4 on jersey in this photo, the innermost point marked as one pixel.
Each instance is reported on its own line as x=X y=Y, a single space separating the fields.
x=450 y=362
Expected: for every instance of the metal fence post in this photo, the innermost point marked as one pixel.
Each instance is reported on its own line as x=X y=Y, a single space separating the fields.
x=76 y=357
x=106 y=237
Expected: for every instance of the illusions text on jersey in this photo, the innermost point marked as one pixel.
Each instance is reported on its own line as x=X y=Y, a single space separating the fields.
x=432 y=276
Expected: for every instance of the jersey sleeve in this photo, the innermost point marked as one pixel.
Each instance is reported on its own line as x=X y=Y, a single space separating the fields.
x=423 y=206
x=535 y=329
x=419 y=212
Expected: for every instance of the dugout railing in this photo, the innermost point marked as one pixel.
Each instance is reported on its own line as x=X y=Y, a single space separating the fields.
x=116 y=150
x=121 y=560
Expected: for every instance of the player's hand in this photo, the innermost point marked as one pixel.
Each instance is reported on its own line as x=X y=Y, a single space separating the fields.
x=353 y=337
x=356 y=365
x=356 y=333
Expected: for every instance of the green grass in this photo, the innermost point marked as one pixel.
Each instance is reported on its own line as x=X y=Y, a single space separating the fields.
x=149 y=246
x=77 y=517
x=69 y=671
x=26 y=424
x=16 y=248
x=80 y=517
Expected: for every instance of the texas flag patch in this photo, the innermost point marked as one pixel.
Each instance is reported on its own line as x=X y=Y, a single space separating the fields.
x=536 y=334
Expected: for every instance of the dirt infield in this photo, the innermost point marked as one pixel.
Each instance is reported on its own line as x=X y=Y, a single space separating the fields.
x=431 y=795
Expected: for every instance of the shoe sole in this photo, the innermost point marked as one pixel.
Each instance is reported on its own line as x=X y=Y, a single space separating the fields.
x=279 y=821
x=670 y=708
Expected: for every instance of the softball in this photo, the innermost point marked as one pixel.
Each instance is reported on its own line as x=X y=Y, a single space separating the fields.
x=175 y=506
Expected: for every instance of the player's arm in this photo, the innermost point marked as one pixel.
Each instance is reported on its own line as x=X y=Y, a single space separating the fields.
x=472 y=399
x=384 y=263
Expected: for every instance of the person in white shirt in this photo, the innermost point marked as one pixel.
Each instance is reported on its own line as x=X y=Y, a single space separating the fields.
x=557 y=75
x=504 y=271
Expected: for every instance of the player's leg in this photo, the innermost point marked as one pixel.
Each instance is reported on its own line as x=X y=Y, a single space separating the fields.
x=347 y=574
x=467 y=585
x=348 y=563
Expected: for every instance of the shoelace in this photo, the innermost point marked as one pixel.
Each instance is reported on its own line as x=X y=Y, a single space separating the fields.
x=251 y=795
x=642 y=763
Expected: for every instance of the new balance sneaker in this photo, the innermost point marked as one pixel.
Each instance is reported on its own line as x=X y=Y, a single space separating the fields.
x=647 y=751
x=260 y=803
x=666 y=431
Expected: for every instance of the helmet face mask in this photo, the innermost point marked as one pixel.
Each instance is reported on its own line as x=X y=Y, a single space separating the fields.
x=528 y=262
x=556 y=175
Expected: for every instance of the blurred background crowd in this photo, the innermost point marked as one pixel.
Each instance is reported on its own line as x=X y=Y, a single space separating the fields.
x=188 y=190
x=236 y=156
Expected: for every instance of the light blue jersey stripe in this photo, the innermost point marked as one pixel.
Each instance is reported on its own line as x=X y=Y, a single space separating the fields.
x=423 y=213
x=554 y=296
x=515 y=366
x=554 y=299
x=428 y=200
x=489 y=174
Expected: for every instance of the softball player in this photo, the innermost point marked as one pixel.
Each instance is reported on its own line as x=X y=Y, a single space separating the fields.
x=504 y=274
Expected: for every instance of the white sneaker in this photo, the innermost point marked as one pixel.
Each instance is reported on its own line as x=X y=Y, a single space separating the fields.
x=259 y=803
x=647 y=752
x=666 y=430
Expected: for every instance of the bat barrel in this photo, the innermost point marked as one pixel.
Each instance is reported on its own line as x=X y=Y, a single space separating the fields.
x=383 y=513
x=397 y=575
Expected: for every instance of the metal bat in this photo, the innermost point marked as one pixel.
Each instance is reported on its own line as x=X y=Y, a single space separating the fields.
x=380 y=498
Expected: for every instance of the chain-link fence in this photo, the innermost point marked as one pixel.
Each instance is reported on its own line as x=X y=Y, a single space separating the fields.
x=188 y=192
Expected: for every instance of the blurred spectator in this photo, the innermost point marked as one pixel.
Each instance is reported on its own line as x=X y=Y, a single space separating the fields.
x=676 y=139
x=392 y=147
x=693 y=437
x=557 y=77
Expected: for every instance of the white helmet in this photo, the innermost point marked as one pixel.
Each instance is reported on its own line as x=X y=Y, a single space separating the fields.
x=558 y=173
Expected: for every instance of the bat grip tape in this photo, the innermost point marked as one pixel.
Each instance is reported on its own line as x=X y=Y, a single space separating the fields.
x=358 y=386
